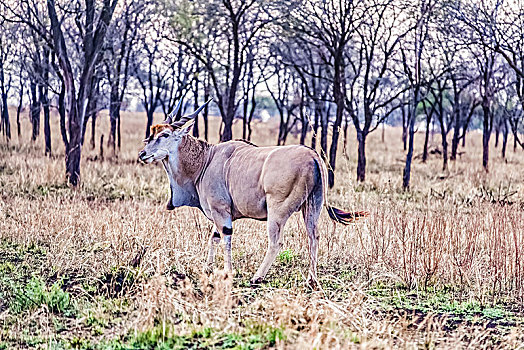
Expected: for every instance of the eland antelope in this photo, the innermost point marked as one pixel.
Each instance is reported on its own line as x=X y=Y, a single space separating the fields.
x=236 y=179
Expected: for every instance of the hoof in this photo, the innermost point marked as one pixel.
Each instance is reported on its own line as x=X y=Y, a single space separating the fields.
x=231 y=273
x=208 y=270
x=257 y=282
x=313 y=283
x=170 y=206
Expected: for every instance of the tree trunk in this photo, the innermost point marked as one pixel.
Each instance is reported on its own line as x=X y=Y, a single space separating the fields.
x=324 y=135
x=443 y=135
x=19 y=109
x=286 y=127
x=245 y=123
x=206 y=110
x=101 y=147
x=195 y=125
x=305 y=126
x=409 y=157
x=114 y=115
x=62 y=113
x=92 y=110
x=227 y=132
x=6 y=125
x=361 y=160
x=88 y=115
x=5 y=117
x=118 y=132
x=515 y=140
x=444 y=152
x=426 y=140
x=251 y=114
x=75 y=145
x=404 y=128
x=249 y=131
x=35 y=111
x=504 y=139
x=244 y=117
x=281 y=127
x=206 y=123
x=149 y=114
x=486 y=133
x=93 y=130
x=457 y=117
x=346 y=126
x=47 y=124
x=230 y=108
x=315 y=127
x=339 y=96
x=429 y=115
x=497 y=132
x=455 y=139
x=44 y=99
x=406 y=177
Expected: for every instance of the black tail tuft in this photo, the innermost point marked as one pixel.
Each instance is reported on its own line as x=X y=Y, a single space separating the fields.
x=345 y=217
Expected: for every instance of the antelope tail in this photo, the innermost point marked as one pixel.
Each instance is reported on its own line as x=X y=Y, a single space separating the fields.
x=336 y=214
x=345 y=217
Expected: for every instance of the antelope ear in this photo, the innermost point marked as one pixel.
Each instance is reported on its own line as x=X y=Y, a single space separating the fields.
x=184 y=129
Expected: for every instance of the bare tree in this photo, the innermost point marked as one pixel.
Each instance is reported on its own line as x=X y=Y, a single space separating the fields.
x=6 y=51
x=253 y=77
x=414 y=74
x=151 y=70
x=495 y=30
x=35 y=82
x=308 y=64
x=429 y=115
x=374 y=90
x=164 y=71
x=118 y=49
x=486 y=64
x=93 y=34
x=283 y=93
x=329 y=26
x=219 y=34
x=438 y=90
x=44 y=97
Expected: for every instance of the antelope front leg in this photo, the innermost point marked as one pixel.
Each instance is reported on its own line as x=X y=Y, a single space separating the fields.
x=228 y=265
x=214 y=239
x=224 y=225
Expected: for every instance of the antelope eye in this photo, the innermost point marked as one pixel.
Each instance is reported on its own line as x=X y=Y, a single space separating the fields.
x=164 y=135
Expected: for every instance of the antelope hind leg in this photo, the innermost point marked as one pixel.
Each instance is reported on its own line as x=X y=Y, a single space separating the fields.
x=274 y=230
x=311 y=216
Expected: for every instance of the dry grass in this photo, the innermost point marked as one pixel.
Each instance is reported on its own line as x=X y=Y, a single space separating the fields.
x=439 y=266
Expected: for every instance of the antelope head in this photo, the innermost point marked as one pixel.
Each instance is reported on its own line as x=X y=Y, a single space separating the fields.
x=165 y=138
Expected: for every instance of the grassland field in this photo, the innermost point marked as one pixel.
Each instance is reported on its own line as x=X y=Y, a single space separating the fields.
x=106 y=266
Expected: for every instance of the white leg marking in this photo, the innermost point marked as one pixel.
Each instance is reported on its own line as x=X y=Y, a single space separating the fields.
x=228 y=266
x=213 y=240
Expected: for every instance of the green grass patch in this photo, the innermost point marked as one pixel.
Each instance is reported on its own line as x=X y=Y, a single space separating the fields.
x=286 y=256
x=35 y=293
x=164 y=337
x=441 y=301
